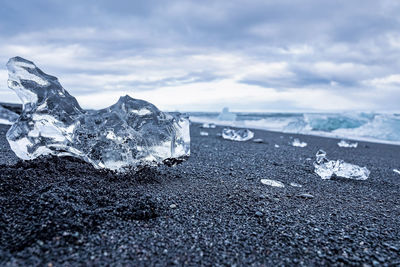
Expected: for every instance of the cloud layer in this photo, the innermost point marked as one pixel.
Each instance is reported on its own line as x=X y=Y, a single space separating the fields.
x=203 y=55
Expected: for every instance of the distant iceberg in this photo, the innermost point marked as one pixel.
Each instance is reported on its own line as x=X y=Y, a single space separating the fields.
x=226 y=115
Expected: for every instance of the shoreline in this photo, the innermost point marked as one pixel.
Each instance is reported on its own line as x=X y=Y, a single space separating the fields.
x=240 y=124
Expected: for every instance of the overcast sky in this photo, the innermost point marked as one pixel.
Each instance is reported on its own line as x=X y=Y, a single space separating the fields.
x=203 y=55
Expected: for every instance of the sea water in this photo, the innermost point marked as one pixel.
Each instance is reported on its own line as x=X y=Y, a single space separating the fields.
x=375 y=127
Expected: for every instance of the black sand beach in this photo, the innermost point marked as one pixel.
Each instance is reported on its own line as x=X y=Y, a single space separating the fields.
x=210 y=210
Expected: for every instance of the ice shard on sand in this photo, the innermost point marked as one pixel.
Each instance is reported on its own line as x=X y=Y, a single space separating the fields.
x=237 y=135
x=208 y=125
x=297 y=143
x=327 y=168
x=273 y=183
x=126 y=135
x=344 y=143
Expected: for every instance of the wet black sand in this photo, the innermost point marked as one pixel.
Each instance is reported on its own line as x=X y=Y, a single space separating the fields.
x=210 y=210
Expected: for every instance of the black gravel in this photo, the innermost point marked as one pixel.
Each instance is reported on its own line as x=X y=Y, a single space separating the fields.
x=210 y=210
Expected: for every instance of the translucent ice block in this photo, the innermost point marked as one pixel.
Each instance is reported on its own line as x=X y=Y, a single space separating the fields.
x=130 y=133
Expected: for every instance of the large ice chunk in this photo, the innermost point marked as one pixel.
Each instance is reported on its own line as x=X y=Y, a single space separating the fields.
x=225 y=115
x=126 y=135
x=7 y=116
x=327 y=168
x=237 y=135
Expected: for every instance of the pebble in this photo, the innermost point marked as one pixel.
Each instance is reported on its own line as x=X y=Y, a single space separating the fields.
x=172 y=206
x=259 y=214
x=394 y=248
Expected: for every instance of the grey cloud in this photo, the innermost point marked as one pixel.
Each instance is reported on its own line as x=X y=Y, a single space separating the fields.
x=209 y=22
x=359 y=32
x=194 y=77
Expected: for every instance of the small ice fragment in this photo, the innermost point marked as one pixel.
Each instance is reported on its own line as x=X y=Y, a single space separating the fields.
x=305 y=195
x=202 y=133
x=258 y=140
x=327 y=168
x=396 y=171
x=126 y=135
x=276 y=145
x=344 y=143
x=225 y=115
x=296 y=142
x=273 y=183
x=295 y=185
x=208 y=125
x=237 y=135
x=7 y=116
x=218 y=134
